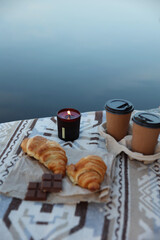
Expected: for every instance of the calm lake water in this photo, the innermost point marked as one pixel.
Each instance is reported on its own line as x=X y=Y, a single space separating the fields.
x=77 y=53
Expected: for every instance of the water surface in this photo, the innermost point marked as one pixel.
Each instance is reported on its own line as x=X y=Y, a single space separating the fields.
x=56 y=54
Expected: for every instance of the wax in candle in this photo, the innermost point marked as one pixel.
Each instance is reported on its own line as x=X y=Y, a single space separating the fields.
x=65 y=115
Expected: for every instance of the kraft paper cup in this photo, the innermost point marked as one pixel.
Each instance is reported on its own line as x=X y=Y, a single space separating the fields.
x=146 y=129
x=118 y=113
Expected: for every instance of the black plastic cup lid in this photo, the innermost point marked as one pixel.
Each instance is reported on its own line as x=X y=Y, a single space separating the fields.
x=119 y=106
x=147 y=120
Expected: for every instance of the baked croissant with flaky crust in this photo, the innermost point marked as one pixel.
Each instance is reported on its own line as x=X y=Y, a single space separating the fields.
x=88 y=172
x=49 y=153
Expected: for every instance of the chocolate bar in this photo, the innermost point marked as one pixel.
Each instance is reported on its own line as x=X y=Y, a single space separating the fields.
x=37 y=191
x=34 y=193
x=51 y=182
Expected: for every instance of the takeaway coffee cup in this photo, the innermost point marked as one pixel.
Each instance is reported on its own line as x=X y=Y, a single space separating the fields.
x=118 y=112
x=146 y=128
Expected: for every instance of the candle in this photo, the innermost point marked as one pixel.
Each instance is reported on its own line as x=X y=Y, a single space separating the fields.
x=68 y=121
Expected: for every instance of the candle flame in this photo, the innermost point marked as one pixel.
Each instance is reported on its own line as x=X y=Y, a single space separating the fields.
x=68 y=112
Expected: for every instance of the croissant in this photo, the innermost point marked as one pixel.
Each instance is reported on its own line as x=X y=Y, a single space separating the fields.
x=49 y=153
x=88 y=172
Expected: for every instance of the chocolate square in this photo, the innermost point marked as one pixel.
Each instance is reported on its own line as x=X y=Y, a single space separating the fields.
x=30 y=195
x=46 y=186
x=47 y=176
x=57 y=186
x=57 y=177
x=41 y=195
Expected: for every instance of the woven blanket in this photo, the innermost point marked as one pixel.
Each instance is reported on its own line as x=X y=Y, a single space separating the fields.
x=131 y=212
